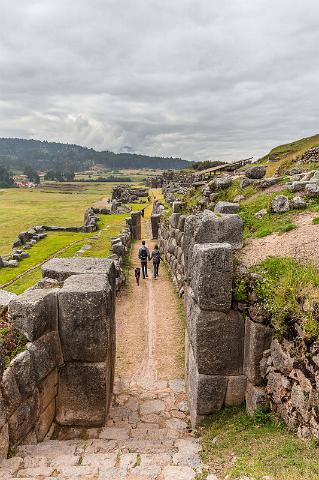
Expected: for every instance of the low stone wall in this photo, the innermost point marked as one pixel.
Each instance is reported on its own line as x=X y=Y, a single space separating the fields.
x=29 y=385
x=66 y=373
x=282 y=371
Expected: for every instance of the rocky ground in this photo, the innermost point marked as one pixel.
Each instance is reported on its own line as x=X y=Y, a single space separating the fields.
x=300 y=243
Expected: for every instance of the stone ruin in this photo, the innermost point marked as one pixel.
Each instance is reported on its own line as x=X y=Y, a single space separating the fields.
x=126 y=194
x=232 y=354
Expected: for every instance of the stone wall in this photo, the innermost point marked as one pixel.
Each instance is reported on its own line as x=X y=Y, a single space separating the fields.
x=282 y=370
x=66 y=373
x=198 y=249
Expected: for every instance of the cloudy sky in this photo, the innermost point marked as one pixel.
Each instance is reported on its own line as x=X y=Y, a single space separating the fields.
x=200 y=79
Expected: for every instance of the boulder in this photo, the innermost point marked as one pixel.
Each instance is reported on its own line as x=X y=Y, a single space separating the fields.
x=256 y=398
x=5 y=298
x=280 y=204
x=312 y=189
x=297 y=203
x=226 y=207
x=269 y=182
x=261 y=213
x=256 y=172
x=35 y=312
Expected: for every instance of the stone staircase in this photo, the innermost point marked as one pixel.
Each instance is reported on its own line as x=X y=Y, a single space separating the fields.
x=147 y=437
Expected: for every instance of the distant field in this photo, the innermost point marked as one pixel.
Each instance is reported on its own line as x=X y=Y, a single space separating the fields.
x=53 y=204
x=56 y=204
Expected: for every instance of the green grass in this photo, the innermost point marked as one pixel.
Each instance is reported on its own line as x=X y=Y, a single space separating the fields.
x=287 y=154
x=256 y=447
x=39 y=252
x=289 y=291
x=57 y=204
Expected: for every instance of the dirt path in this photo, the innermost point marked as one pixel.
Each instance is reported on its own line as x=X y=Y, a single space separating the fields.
x=149 y=330
x=300 y=243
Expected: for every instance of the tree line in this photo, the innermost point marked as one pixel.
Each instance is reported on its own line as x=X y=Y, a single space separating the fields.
x=16 y=153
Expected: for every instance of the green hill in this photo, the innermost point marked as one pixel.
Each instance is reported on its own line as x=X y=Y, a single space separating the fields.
x=16 y=153
x=284 y=156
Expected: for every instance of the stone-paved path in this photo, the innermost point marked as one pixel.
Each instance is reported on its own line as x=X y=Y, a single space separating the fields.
x=147 y=436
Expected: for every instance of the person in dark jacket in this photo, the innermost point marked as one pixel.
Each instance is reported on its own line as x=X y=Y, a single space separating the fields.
x=144 y=256
x=156 y=256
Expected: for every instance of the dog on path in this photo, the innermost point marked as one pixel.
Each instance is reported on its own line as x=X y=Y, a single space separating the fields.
x=137 y=275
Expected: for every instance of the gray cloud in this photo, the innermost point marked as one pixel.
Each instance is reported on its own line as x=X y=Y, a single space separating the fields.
x=201 y=80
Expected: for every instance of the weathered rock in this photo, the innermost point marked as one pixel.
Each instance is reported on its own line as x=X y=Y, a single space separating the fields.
x=255 y=172
x=246 y=182
x=256 y=398
x=226 y=207
x=280 y=204
x=46 y=354
x=35 y=312
x=269 y=182
x=206 y=393
x=312 y=189
x=4 y=442
x=82 y=396
x=23 y=420
x=217 y=339
x=211 y=279
x=261 y=213
x=86 y=318
x=208 y=227
x=297 y=203
x=5 y=298
x=281 y=359
x=62 y=268
x=257 y=340
x=236 y=389
x=22 y=368
x=10 y=391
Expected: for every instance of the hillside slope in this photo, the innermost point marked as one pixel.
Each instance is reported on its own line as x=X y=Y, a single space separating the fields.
x=284 y=156
x=15 y=153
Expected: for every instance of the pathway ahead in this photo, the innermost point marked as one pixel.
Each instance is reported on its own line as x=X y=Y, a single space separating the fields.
x=147 y=436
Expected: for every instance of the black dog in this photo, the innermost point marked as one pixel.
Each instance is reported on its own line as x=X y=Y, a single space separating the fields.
x=137 y=275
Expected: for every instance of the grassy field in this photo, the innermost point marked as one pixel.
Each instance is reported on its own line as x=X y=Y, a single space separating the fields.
x=58 y=204
x=238 y=446
x=61 y=204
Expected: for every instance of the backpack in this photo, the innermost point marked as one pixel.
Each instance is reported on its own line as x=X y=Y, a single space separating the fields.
x=156 y=256
x=143 y=254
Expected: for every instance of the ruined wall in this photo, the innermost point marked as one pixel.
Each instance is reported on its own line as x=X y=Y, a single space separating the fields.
x=66 y=373
x=282 y=370
x=198 y=249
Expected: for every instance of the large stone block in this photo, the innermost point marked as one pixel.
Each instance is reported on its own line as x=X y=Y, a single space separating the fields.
x=256 y=399
x=83 y=395
x=226 y=207
x=23 y=371
x=211 y=275
x=5 y=298
x=206 y=393
x=257 y=340
x=86 y=318
x=46 y=354
x=217 y=339
x=10 y=391
x=48 y=389
x=63 y=268
x=45 y=421
x=35 y=312
x=23 y=420
x=4 y=442
x=236 y=389
x=209 y=227
x=155 y=222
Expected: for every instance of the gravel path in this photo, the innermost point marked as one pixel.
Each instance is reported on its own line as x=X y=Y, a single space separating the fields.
x=300 y=243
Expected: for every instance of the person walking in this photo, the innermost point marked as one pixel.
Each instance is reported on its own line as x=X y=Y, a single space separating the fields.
x=144 y=256
x=156 y=256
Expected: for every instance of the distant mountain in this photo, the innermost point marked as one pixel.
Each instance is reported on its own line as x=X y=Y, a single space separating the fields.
x=16 y=153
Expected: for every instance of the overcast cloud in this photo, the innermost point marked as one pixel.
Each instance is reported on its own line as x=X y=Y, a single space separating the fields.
x=200 y=79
